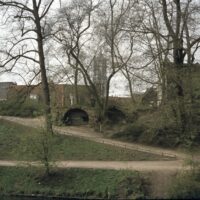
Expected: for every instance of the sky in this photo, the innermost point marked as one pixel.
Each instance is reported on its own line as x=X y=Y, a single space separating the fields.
x=118 y=85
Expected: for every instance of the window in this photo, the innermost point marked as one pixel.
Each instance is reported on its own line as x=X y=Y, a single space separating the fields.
x=33 y=96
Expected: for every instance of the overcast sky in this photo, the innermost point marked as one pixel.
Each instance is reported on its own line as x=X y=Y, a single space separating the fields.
x=118 y=84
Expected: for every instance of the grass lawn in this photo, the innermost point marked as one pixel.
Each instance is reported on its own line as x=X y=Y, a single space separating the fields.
x=19 y=142
x=72 y=182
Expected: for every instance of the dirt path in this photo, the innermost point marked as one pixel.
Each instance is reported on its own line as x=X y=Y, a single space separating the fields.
x=89 y=134
x=148 y=166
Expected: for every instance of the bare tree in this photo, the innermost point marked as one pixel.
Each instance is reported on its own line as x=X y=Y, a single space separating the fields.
x=171 y=30
x=117 y=40
x=74 y=26
x=103 y=34
x=73 y=23
x=157 y=44
x=31 y=17
x=183 y=42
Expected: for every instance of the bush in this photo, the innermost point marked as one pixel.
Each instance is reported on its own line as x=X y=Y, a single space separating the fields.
x=131 y=188
x=132 y=117
x=166 y=136
x=28 y=108
x=186 y=186
x=154 y=128
x=131 y=132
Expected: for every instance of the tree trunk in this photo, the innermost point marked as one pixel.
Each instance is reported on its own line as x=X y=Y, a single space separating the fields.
x=76 y=86
x=45 y=85
x=130 y=87
x=178 y=60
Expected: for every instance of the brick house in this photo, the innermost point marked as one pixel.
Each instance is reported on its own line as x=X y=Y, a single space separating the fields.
x=4 y=90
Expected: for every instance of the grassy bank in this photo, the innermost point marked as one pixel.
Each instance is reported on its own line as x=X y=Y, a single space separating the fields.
x=72 y=182
x=160 y=128
x=19 y=142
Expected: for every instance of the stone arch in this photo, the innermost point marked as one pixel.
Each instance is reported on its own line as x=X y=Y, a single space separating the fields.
x=76 y=116
x=114 y=114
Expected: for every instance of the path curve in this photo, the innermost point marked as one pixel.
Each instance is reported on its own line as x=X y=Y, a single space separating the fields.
x=89 y=134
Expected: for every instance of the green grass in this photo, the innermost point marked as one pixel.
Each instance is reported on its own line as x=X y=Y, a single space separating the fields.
x=72 y=182
x=19 y=142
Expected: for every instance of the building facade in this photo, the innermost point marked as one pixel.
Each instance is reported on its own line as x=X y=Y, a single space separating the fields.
x=4 y=90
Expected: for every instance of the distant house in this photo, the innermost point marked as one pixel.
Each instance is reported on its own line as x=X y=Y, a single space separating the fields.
x=4 y=88
x=32 y=92
x=62 y=95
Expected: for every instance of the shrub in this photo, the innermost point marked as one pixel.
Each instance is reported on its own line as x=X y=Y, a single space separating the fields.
x=166 y=136
x=131 y=188
x=156 y=128
x=186 y=186
x=28 y=108
x=132 y=117
x=131 y=132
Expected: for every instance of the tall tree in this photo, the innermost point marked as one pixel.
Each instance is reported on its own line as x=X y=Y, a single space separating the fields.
x=74 y=35
x=31 y=16
x=117 y=41
x=182 y=46
x=97 y=29
x=173 y=27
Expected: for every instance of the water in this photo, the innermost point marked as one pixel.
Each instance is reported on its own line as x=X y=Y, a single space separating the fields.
x=35 y=198
x=27 y=198
x=20 y=198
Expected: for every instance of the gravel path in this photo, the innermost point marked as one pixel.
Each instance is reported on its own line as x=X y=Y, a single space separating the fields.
x=89 y=134
x=148 y=166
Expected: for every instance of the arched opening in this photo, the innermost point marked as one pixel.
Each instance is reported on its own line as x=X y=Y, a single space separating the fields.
x=115 y=115
x=76 y=116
